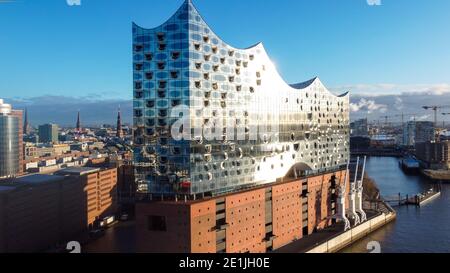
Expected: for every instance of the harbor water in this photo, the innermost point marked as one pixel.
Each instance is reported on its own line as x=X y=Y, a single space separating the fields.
x=423 y=229
x=416 y=230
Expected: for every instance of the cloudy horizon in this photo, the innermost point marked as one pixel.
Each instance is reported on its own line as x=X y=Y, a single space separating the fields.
x=372 y=101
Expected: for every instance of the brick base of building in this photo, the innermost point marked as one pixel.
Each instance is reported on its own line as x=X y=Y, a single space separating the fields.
x=258 y=220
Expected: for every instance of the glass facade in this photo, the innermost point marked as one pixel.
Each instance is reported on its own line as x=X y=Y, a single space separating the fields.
x=242 y=125
x=9 y=145
x=48 y=133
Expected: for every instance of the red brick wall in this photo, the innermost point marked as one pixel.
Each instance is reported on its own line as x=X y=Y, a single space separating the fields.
x=203 y=222
x=101 y=192
x=245 y=214
x=177 y=237
x=287 y=213
x=191 y=225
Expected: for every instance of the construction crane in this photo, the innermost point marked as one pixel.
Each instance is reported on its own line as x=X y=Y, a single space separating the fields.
x=435 y=109
x=386 y=118
x=406 y=115
x=443 y=122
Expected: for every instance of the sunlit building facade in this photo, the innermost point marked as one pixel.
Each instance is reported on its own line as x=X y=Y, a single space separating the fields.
x=241 y=124
x=11 y=150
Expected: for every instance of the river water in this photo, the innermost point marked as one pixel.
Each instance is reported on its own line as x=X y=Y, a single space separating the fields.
x=416 y=230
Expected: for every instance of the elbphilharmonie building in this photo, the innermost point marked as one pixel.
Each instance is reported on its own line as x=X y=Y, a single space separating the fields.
x=210 y=118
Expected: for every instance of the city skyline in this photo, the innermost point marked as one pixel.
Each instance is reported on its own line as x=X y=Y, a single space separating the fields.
x=64 y=69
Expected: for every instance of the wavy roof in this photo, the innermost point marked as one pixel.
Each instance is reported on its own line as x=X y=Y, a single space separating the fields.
x=188 y=7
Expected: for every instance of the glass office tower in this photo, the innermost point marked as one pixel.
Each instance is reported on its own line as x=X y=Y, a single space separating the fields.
x=10 y=141
x=211 y=118
x=48 y=133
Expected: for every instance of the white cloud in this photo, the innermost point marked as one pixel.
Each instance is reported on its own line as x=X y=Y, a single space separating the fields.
x=374 y=2
x=398 y=104
x=421 y=118
x=382 y=89
x=369 y=106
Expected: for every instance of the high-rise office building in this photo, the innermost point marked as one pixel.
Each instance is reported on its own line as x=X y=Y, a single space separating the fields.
x=359 y=128
x=48 y=133
x=418 y=132
x=11 y=150
x=210 y=118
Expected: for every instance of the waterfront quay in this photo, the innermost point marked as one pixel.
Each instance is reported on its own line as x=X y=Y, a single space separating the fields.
x=335 y=238
x=416 y=229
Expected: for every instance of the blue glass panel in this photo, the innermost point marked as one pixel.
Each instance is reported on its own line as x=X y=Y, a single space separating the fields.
x=161 y=56
x=194 y=27
x=162 y=75
x=162 y=103
x=194 y=74
x=181 y=84
x=180 y=46
x=214 y=41
x=172 y=27
x=175 y=94
x=179 y=36
x=220 y=78
x=194 y=55
x=143 y=39
x=180 y=64
x=183 y=16
x=196 y=37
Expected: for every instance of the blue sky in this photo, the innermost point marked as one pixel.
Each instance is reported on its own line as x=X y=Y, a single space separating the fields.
x=54 y=56
x=48 y=47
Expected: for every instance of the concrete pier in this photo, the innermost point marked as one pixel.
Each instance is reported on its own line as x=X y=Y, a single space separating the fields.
x=347 y=238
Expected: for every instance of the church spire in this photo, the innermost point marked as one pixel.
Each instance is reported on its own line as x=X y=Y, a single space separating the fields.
x=26 y=125
x=78 y=126
x=119 y=132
